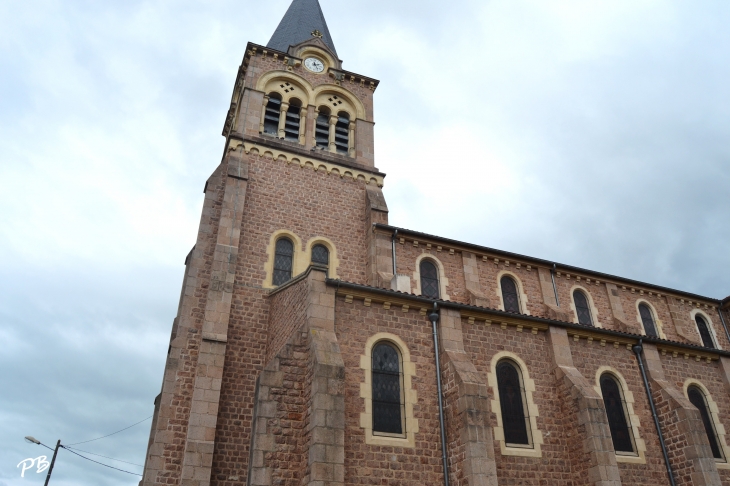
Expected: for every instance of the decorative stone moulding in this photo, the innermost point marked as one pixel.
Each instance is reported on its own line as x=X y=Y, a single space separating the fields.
x=317 y=165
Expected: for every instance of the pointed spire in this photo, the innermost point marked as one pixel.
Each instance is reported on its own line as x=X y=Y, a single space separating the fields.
x=302 y=21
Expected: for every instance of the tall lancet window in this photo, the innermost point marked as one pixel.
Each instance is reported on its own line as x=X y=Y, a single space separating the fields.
x=509 y=295
x=291 y=125
x=704 y=330
x=342 y=133
x=647 y=318
x=272 y=115
x=429 y=280
x=698 y=399
x=513 y=405
x=322 y=128
x=582 y=308
x=616 y=411
x=283 y=261
x=387 y=382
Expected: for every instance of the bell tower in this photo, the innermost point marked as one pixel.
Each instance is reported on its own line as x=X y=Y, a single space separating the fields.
x=296 y=188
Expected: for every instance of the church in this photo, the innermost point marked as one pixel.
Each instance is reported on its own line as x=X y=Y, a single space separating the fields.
x=316 y=344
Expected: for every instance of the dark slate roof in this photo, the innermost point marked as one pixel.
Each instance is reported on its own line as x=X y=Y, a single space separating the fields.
x=302 y=18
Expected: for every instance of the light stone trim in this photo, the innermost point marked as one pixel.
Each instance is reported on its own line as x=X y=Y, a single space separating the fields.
x=520 y=289
x=443 y=281
x=715 y=416
x=628 y=396
x=301 y=258
x=314 y=164
x=594 y=310
x=710 y=324
x=659 y=324
x=409 y=394
x=529 y=385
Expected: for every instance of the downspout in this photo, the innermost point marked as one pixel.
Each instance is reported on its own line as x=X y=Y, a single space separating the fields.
x=434 y=317
x=392 y=244
x=638 y=348
x=724 y=326
x=555 y=289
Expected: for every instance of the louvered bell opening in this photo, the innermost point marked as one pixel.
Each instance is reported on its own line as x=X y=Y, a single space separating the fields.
x=342 y=135
x=271 y=117
x=322 y=131
x=291 y=124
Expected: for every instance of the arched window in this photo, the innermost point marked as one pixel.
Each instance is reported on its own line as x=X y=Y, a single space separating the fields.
x=582 y=308
x=513 y=405
x=342 y=133
x=322 y=128
x=647 y=319
x=698 y=399
x=616 y=412
x=320 y=254
x=291 y=124
x=704 y=330
x=283 y=261
x=272 y=114
x=509 y=295
x=387 y=385
x=429 y=280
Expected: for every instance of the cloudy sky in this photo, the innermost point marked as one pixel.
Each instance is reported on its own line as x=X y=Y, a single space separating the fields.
x=591 y=133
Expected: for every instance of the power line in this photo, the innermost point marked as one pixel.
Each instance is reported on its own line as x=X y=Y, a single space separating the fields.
x=105 y=457
x=109 y=435
x=101 y=463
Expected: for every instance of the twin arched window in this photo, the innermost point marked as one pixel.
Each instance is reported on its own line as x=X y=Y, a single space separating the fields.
x=699 y=400
x=387 y=381
x=623 y=439
x=283 y=261
x=647 y=319
x=513 y=404
x=582 y=308
x=704 y=330
x=510 y=295
x=429 y=279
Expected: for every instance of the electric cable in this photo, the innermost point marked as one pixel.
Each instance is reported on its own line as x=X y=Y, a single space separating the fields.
x=105 y=457
x=101 y=463
x=109 y=435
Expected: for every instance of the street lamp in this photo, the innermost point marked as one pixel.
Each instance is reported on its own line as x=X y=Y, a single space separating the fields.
x=33 y=440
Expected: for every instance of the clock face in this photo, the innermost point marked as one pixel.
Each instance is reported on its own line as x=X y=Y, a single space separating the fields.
x=314 y=64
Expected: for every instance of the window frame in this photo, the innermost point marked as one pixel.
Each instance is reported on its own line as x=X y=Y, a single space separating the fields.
x=402 y=403
x=536 y=436
x=589 y=306
x=521 y=300
x=717 y=426
x=410 y=397
x=523 y=398
x=710 y=327
x=428 y=261
x=276 y=254
x=624 y=410
x=657 y=322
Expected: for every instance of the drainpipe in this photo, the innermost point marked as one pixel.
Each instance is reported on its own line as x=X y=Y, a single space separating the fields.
x=638 y=348
x=555 y=289
x=724 y=326
x=434 y=317
x=392 y=244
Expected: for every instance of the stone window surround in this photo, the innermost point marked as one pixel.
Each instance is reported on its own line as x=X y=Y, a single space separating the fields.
x=628 y=396
x=715 y=416
x=589 y=297
x=312 y=96
x=710 y=325
x=301 y=258
x=443 y=281
x=529 y=385
x=520 y=290
x=410 y=396
x=657 y=322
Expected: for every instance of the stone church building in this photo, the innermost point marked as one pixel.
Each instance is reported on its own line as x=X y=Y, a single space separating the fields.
x=315 y=344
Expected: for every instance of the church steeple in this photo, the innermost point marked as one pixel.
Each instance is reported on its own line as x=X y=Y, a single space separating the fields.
x=302 y=20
